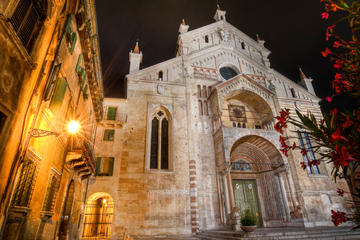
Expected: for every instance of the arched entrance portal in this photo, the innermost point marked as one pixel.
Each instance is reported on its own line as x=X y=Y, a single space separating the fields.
x=98 y=217
x=67 y=209
x=259 y=180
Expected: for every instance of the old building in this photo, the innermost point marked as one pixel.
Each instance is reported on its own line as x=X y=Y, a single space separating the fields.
x=195 y=138
x=50 y=76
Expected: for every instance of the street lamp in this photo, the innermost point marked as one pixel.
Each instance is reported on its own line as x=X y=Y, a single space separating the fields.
x=72 y=127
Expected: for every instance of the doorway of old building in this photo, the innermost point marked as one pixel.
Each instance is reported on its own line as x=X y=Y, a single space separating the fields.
x=246 y=198
x=98 y=217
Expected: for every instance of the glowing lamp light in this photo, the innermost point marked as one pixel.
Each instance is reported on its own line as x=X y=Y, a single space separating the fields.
x=73 y=126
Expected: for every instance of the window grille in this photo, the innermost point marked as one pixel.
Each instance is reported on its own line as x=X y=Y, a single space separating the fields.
x=51 y=194
x=23 y=190
x=26 y=21
x=109 y=134
x=159 y=150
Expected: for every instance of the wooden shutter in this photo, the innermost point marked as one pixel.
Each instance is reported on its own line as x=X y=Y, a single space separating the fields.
x=52 y=81
x=98 y=163
x=111 y=114
x=111 y=170
x=78 y=67
x=59 y=94
x=73 y=39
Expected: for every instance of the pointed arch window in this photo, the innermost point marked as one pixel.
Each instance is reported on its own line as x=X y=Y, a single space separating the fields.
x=159 y=145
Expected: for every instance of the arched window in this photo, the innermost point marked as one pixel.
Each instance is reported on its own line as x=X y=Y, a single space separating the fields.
x=293 y=93
x=242 y=165
x=228 y=72
x=28 y=19
x=160 y=76
x=206 y=38
x=159 y=146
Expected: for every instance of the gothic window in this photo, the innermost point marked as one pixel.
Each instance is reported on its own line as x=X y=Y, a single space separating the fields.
x=160 y=76
x=239 y=125
x=111 y=113
x=228 y=73
x=159 y=142
x=50 y=195
x=206 y=111
x=242 y=165
x=204 y=92
x=207 y=39
x=293 y=93
x=198 y=91
x=104 y=166
x=109 y=134
x=201 y=108
x=309 y=156
x=25 y=184
x=27 y=20
x=234 y=124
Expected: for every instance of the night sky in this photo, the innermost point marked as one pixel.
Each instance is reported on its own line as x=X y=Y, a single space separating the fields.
x=293 y=31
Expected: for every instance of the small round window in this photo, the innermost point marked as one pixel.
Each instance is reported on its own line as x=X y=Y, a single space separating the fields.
x=228 y=73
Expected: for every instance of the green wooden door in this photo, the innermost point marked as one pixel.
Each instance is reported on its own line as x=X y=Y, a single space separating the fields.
x=246 y=198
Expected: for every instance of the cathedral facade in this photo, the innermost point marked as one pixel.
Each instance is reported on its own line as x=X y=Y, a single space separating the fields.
x=194 y=142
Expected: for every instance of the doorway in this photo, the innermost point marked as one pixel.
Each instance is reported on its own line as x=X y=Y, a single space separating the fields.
x=246 y=198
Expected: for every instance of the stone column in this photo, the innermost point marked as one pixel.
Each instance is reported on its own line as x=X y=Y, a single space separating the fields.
x=231 y=191
x=291 y=188
x=226 y=193
x=283 y=194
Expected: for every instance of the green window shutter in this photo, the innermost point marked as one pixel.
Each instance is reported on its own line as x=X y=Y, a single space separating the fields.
x=78 y=67
x=73 y=42
x=83 y=76
x=111 y=114
x=58 y=97
x=98 y=164
x=111 y=166
x=68 y=24
x=52 y=81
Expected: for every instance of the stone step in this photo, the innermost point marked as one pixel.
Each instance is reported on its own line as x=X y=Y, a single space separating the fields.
x=281 y=234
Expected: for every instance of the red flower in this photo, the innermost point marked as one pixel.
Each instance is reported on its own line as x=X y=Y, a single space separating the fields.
x=340 y=192
x=338 y=64
x=315 y=162
x=282 y=142
x=303 y=165
x=337 y=217
x=328 y=99
x=284 y=114
x=341 y=156
x=303 y=151
x=284 y=151
x=336 y=136
x=324 y=15
x=322 y=121
x=293 y=146
x=333 y=111
x=337 y=44
x=329 y=31
x=326 y=52
x=348 y=123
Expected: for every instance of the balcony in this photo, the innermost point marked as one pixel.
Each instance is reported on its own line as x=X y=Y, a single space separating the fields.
x=81 y=159
x=114 y=120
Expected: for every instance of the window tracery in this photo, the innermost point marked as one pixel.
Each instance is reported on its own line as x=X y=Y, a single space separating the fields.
x=159 y=145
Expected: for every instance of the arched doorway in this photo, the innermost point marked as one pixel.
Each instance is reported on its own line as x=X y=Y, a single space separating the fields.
x=98 y=217
x=66 y=214
x=259 y=181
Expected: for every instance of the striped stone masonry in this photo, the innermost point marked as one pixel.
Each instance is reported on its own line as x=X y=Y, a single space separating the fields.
x=193 y=198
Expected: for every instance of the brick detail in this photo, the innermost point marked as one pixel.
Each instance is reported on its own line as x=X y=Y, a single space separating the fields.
x=193 y=197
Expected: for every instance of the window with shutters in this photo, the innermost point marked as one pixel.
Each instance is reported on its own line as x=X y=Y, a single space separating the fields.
x=305 y=144
x=109 y=134
x=51 y=193
x=104 y=166
x=111 y=113
x=71 y=36
x=27 y=20
x=25 y=184
x=54 y=74
x=159 y=141
x=59 y=94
